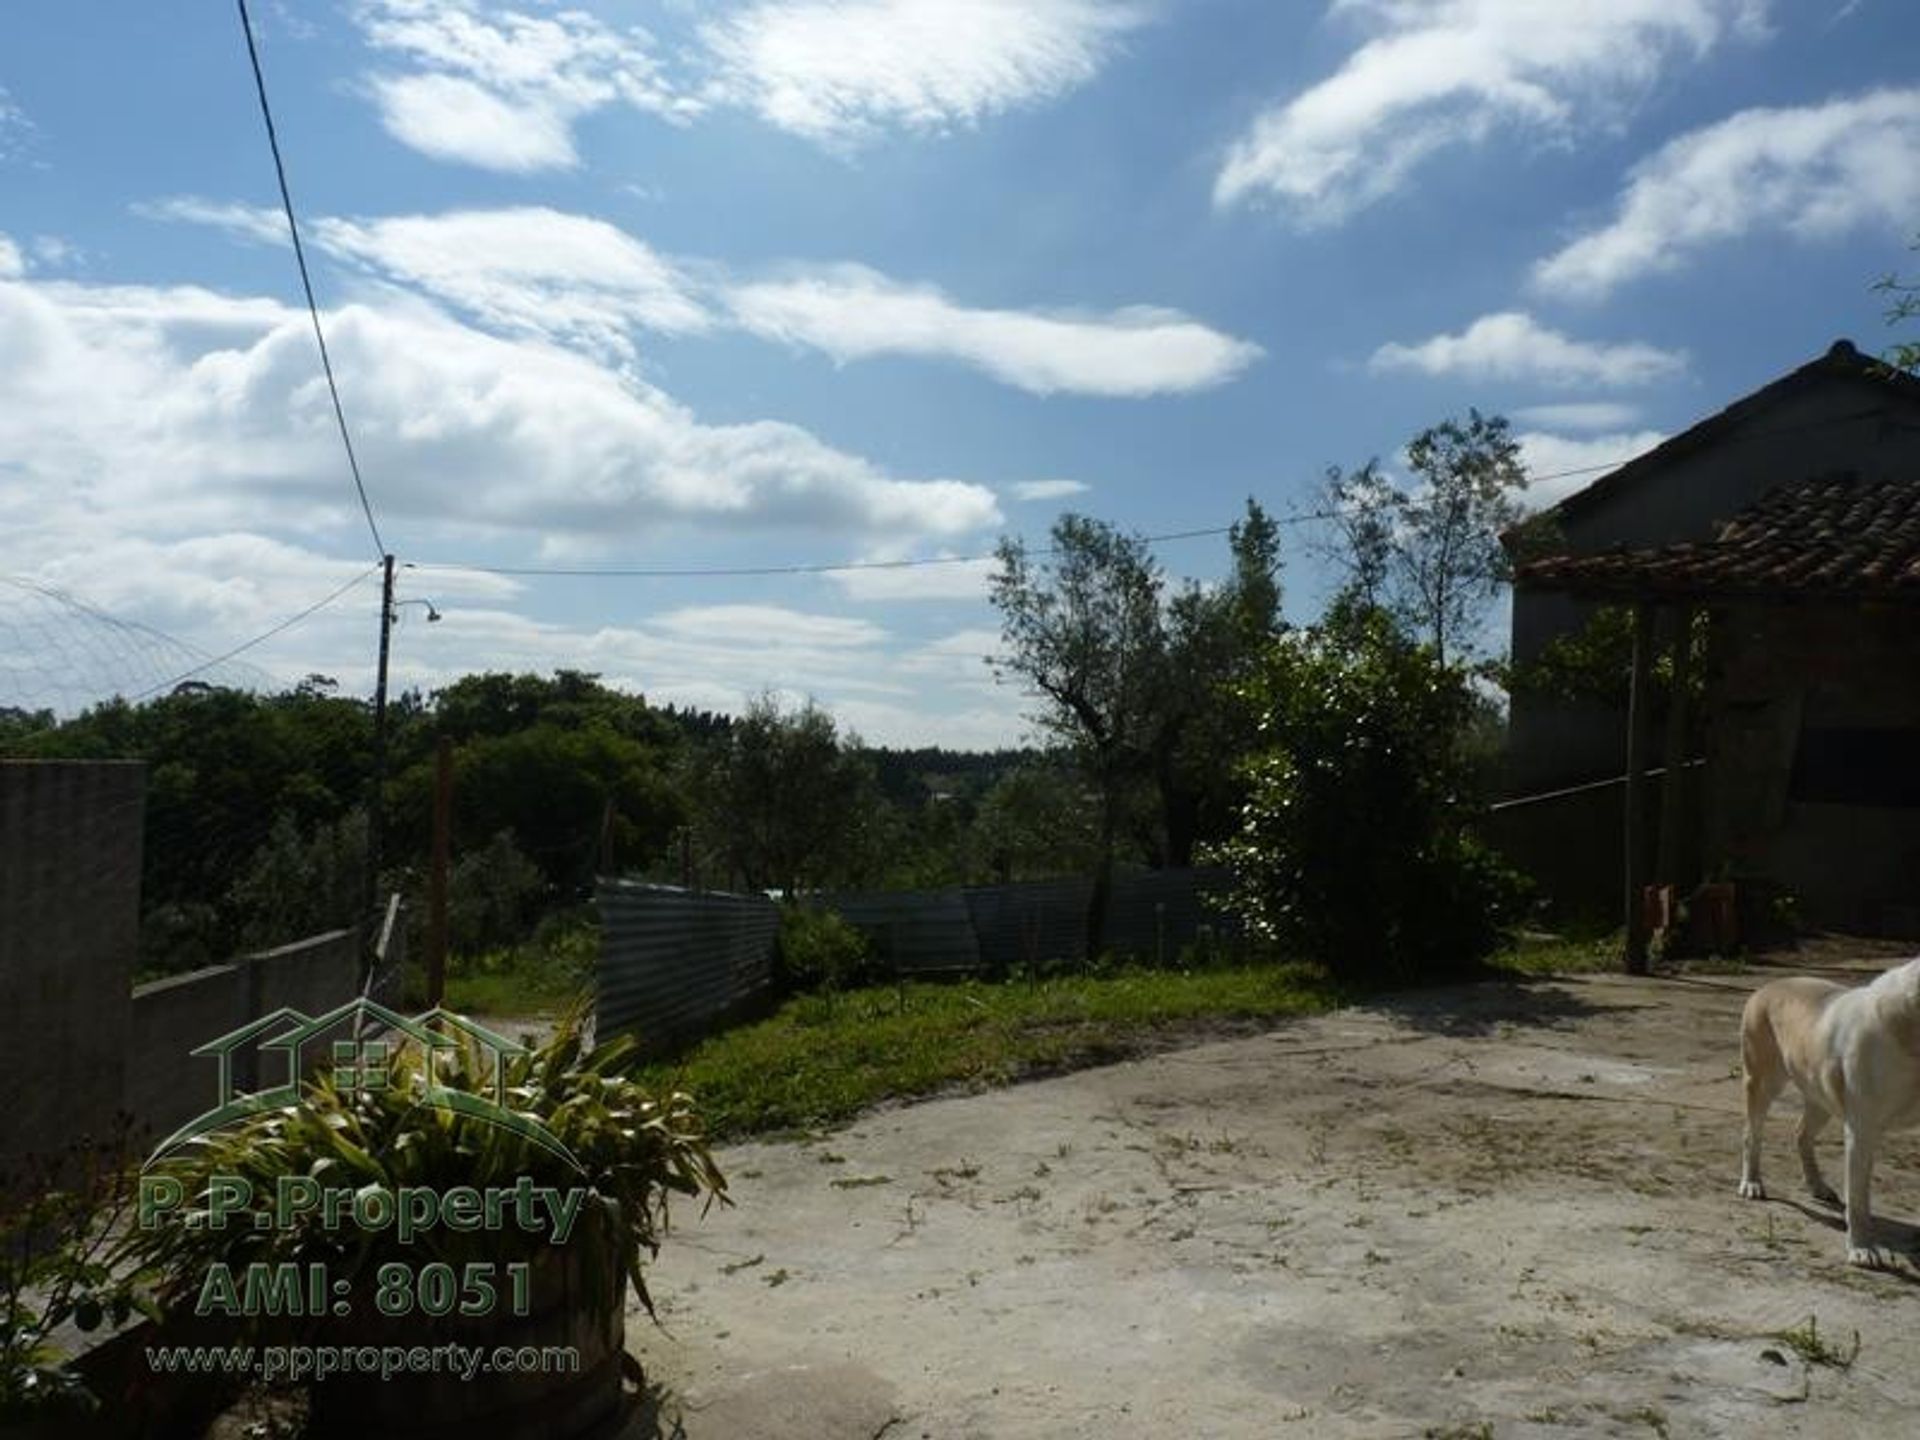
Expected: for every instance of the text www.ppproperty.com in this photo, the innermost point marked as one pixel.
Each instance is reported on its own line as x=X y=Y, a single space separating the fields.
x=317 y=1362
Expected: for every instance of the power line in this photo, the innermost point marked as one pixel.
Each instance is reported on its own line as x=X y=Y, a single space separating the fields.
x=747 y=571
x=641 y=572
x=260 y=639
x=306 y=280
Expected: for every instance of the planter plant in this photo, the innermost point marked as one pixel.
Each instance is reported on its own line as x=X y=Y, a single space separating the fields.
x=388 y=1216
x=59 y=1219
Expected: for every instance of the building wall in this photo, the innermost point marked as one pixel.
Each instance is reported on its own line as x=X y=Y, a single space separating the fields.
x=167 y=1083
x=70 y=850
x=1814 y=758
x=1833 y=423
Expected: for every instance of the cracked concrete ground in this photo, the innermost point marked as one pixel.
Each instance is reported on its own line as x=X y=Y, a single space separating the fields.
x=1503 y=1210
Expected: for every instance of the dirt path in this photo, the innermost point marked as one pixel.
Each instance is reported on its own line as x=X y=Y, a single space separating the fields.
x=1504 y=1211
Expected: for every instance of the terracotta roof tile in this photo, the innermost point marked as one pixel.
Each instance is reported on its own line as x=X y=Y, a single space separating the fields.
x=1837 y=536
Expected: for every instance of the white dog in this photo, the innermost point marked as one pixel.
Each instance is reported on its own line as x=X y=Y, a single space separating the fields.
x=1853 y=1054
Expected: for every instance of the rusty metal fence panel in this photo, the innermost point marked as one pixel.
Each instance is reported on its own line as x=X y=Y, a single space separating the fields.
x=673 y=960
x=1153 y=915
x=913 y=932
x=1029 y=924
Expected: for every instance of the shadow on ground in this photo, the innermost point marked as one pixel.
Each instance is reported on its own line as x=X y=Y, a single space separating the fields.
x=1493 y=1007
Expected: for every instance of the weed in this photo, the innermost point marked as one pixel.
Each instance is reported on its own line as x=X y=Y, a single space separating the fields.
x=859 y=1182
x=1804 y=1341
x=1651 y=1416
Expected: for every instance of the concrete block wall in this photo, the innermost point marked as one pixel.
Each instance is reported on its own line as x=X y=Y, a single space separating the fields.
x=167 y=1084
x=70 y=853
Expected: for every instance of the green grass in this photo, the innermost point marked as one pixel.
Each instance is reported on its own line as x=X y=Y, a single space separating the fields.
x=1561 y=955
x=821 y=1059
x=538 y=977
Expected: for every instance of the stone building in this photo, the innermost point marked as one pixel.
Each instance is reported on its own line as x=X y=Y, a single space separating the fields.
x=1787 y=527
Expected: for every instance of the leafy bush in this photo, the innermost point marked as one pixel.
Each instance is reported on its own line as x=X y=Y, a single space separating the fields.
x=820 y=950
x=55 y=1238
x=636 y=1148
x=549 y=970
x=299 y=884
x=492 y=895
x=1354 y=848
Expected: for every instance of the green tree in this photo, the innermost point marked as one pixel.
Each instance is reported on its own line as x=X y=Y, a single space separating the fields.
x=1140 y=687
x=1356 y=846
x=1084 y=631
x=299 y=884
x=1360 y=508
x=787 y=803
x=1430 y=553
x=1215 y=636
x=1904 y=355
x=1036 y=823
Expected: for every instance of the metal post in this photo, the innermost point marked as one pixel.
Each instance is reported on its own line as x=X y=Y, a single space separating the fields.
x=376 y=799
x=1636 y=798
x=1673 y=787
x=437 y=876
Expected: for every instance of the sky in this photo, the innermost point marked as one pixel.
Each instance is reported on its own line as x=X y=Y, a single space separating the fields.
x=664 y=285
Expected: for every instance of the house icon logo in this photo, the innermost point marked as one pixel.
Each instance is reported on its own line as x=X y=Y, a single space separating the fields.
x=360 y=1058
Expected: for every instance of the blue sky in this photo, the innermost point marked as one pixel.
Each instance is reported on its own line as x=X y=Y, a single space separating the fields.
x=666 y=284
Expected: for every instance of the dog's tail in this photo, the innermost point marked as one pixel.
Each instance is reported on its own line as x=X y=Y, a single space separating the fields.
x=1759 y=1046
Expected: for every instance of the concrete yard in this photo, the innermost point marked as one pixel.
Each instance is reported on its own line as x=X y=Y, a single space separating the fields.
x=1505 y=1210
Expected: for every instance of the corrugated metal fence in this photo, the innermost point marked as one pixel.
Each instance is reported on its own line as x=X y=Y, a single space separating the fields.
x=672 y=960
x=1150 y=916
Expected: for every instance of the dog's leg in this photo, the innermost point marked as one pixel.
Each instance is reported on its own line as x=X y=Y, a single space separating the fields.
x=1813 y=1120
x=1760 y=1059
x=1860 y=1249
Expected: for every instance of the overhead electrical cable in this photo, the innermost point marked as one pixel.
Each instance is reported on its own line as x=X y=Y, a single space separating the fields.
x=261 y=638
x=306 y=279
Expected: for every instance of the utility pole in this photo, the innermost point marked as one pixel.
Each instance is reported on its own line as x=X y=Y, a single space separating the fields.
x=376 y=799
x=437 y=876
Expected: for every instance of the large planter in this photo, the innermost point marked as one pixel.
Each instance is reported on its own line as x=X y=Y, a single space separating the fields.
x=576 y=1300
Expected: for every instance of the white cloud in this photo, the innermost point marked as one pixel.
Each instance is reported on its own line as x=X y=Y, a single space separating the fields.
x=55 y=251
x=530 y=270
x=1580 y=415
x=840 y=71
x=170 y=455
x=769 y=625
x=501 y=88
x=952 y=578
x=15 y=128
x=216 y=590
x=1515 y=346
x=12 y=263
x=1439 y=73
x=451 y=118
x=585 y=282
x=851 y=312
x=173 y=411
x=1814 y=172
x=260 y=223
x=1552 y=457
x=1047 y=489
